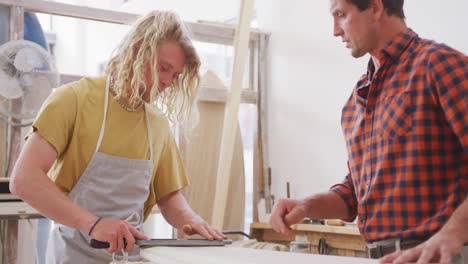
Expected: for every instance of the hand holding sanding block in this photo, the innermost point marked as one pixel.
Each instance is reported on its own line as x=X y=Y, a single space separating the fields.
x=169 y=243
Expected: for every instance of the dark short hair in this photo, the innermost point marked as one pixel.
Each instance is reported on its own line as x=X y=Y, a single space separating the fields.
x=393 y=7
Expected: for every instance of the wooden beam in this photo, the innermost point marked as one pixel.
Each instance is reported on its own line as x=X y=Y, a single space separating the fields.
x=261 y=189
x=217 y=95
x=231 y=113
x=16 y=22
x=14 y=133
x=68 y=10
x=263 y=124
x=257 y=172
x=13 y=141
x=207 y=32
x=252 y=66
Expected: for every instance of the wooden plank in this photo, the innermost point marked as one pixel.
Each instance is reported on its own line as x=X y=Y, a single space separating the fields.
x=256 y=234
x=348 y=230
x=262 y=122
x=231 y=113
x=16 y=22
x=200 y=155
x=209 y=32
x=17 y=211
x=251 y=70
x=272 y=236
x=216 y=95
x=11 y=241
x=13 y=144
x=76 y=11
x=260 y=226
x=257 y=143
x=343 y=241
x=234 y=255
x=334 y=240
x=223 y=31
x=257 y=172
x=217 y=33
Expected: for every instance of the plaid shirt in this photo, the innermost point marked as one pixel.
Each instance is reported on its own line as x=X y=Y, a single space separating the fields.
x=406 y=130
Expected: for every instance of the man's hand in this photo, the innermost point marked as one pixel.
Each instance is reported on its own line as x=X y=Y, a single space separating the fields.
x=444 y=244
x=198 y=226
x=286 y=213
x=178 y=213
x=114 y=231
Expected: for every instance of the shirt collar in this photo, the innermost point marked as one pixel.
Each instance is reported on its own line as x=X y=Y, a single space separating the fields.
x=393 y=50
x=399 y=44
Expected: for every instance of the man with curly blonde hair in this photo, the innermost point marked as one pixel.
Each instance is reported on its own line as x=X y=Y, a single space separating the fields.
x=101 y=153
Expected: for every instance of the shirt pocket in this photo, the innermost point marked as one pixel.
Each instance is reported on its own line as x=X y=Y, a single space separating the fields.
x=396 y=116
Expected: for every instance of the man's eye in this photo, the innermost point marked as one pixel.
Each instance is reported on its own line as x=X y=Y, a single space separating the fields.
x=339 y=14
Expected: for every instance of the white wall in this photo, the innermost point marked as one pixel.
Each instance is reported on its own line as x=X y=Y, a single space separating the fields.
x=312 y=74
x=69 y=47
x=82 y=45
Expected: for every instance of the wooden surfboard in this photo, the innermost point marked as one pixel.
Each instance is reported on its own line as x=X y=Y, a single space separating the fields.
x=201 y=154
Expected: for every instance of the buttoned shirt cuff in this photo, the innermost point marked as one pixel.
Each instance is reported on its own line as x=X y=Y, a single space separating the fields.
x=349 y=198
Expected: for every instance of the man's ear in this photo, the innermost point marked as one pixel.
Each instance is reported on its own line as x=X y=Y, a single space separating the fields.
x=136 y=47
x=377 y=7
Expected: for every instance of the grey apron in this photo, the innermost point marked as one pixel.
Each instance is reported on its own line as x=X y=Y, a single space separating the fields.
x=110 y=187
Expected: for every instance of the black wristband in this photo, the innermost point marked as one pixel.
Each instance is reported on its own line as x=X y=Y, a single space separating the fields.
x=94 y=225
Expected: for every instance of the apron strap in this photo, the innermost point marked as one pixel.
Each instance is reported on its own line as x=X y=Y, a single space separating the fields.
x=150 y=135
x=106 y=103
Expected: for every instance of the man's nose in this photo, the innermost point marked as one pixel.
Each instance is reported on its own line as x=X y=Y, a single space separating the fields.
x=337 y=31
x=166 y=80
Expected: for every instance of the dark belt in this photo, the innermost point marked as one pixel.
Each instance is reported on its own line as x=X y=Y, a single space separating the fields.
x=379 y=249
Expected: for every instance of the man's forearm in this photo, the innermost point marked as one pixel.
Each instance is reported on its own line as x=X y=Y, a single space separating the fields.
x=175 y=209
x=29 y=181
x=328 y=205
x=38 y=191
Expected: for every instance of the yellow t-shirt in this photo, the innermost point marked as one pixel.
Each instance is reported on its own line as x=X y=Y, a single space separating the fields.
x=71 y=118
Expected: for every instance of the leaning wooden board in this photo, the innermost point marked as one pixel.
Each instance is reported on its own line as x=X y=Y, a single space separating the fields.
x=201 y=153
x=233 y=255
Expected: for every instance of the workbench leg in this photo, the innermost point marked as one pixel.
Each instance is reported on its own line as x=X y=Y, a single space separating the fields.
x=11 y=241
x=19 y=238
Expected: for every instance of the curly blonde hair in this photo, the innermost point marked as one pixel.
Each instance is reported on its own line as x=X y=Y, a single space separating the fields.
x=139 y=47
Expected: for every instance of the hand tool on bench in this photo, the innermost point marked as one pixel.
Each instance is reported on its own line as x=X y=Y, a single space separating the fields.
x=169 y=243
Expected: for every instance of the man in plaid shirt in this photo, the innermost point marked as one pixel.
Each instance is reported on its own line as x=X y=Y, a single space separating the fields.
x=406 y=130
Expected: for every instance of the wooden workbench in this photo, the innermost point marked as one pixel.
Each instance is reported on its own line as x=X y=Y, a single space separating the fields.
x=233 y=255
x=340 y=240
